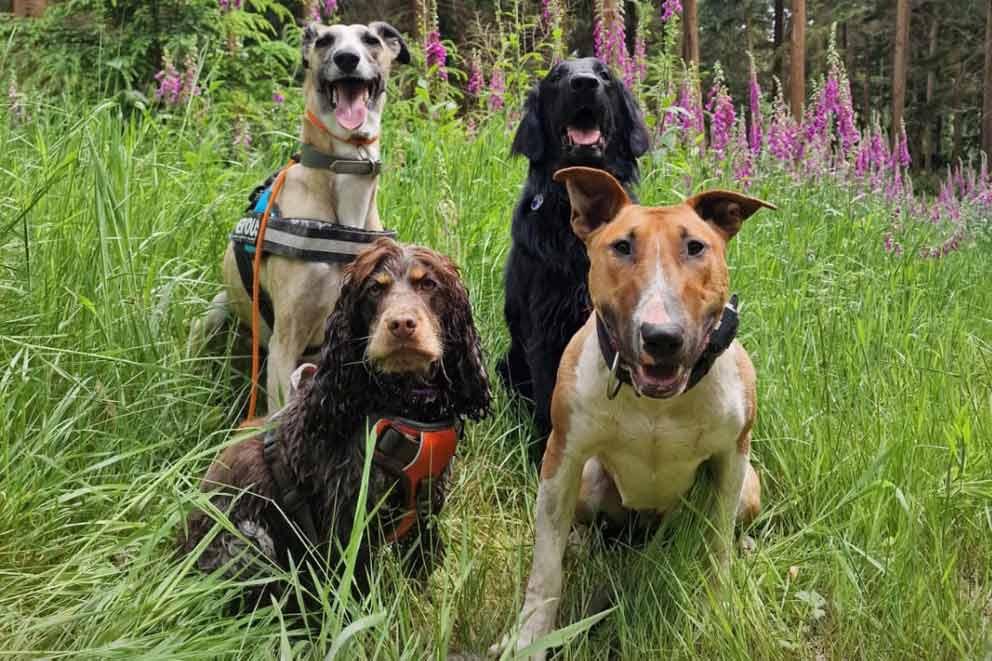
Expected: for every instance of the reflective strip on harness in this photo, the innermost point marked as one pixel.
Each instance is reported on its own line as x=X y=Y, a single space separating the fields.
x=307 y=240
x=297 y=238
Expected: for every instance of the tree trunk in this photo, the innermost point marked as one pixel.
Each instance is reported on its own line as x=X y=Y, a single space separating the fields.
x=866 y=108
x=778 y=37
x=417 y=8
x=929 y=114
x=797 y=63
x=899 y=67
x=958 y=115
x=987 y=106
x=690 y=32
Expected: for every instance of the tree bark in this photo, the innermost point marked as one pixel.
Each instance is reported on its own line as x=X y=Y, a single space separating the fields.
x=797 y=63
x=417 y=9
x=899 y=67
x=690 y=32
x=778 y=37
x=929 y=115
x=958 y=115
x=987 y=105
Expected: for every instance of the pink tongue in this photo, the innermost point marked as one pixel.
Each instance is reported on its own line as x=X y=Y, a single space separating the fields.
x=351 y=110
x=584 y=136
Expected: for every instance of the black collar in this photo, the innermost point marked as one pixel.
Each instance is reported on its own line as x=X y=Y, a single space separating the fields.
x=311 y=157
x=720 y=340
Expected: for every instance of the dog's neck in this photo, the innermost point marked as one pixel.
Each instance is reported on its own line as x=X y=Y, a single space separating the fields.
x=353 y=196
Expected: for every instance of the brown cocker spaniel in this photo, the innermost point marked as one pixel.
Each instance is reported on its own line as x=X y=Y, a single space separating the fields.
x=402 y=357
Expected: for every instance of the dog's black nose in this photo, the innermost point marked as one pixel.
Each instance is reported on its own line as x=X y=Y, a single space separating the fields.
x=584 y=82
x=402 y=326
x=346 y=61
x=662 y=339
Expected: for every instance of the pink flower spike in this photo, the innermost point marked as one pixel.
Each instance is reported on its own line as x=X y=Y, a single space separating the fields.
x=670 y=8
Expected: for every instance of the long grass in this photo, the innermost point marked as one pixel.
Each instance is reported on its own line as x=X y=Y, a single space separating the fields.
x=875 y=389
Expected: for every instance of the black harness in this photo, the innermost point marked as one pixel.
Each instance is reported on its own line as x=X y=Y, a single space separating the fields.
x=304 y=239
x=720 y=340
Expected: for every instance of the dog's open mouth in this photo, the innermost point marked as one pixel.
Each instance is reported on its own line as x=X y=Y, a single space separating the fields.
x=660 y=381
x=584 y=130
x=351 y=98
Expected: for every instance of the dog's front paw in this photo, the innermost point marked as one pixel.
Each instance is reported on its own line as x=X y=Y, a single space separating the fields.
x=511 y=647
x=534 y=626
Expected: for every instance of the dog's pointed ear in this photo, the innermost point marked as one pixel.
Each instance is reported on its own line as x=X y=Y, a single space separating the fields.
x=726 y=210
x=310 y=33
x=638 y=138
x=529 y=140
x=596 y=198
x=393 y=39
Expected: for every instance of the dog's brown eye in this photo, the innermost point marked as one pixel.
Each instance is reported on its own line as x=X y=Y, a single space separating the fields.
x=371 y=40
x=694 y=247
x=325 y=41
x=376 y=289
x=426 y=284
x=623 y=247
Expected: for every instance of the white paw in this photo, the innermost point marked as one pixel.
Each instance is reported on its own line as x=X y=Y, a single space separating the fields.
x=512 y=646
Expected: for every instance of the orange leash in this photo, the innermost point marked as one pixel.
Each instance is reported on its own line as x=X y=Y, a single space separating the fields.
x=256 y=359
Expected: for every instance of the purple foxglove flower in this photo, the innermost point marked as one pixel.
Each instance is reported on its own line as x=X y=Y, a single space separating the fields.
x=497 y=87
x=436 y=54
x=475 y=80
x=755 y=137
x=670 y=8
x=278 y=98
x=722 y=108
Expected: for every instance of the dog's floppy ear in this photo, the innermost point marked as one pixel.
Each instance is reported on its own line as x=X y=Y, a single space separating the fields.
x=393 y=39
x=530 y=138
x=726 y=210
x=638 y=138
x=463 y=360
x=596 y=198
x=310 y=33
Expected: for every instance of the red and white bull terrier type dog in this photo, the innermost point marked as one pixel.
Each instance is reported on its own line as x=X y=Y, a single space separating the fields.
x=659 y=284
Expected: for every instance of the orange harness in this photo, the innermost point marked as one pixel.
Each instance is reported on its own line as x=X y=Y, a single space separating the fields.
x=410 y=451
x=413 y=452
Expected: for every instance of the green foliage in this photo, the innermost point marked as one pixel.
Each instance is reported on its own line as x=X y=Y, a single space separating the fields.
x=101 y=48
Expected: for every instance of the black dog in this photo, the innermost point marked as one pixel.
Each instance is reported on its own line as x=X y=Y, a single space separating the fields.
x=580 y=114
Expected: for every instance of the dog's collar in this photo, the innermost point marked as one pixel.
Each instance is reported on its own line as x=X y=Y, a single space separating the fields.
x=357 y=142
x=311 y=157
x=720 y=340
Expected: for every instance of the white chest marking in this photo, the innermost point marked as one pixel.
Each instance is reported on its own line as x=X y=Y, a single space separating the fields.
x=653 y=448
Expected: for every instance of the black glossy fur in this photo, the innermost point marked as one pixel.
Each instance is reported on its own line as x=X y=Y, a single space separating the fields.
x=323 y=438
x=547 y=300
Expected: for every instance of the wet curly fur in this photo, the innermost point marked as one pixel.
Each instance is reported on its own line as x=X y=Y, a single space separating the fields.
x=547 y=300
x=323 y=438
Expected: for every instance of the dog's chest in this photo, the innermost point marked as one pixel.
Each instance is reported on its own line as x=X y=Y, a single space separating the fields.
x=654 y=448
x=342 y=199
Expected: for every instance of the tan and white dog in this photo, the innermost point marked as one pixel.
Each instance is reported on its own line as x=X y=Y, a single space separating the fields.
x=347 y=67
x=659 y=286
